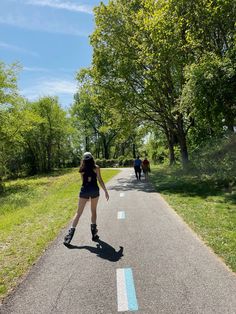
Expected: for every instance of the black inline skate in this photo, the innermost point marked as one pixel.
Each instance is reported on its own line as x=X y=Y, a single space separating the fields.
x=94 y=232
x=69 y=237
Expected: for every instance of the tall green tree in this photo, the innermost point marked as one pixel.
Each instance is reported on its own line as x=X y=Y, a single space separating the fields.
x=138 y=55
x=48 y=139
x=10 y=115
x=102 y=123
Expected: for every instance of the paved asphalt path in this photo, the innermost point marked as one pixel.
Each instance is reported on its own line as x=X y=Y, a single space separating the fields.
x=173 y=271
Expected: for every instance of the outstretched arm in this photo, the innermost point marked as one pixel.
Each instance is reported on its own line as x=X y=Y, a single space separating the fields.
x=101 y=182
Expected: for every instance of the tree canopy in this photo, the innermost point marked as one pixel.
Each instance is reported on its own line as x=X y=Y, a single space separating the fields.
x=162 y=81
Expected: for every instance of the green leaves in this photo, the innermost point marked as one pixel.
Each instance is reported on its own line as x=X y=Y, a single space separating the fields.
x=166 y=64
x=34 y=137
x=96 y=113
x=146 y=51
x=209 y=93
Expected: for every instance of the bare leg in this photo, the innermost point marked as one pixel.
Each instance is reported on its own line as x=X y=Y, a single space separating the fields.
x=71 y=231
x=94 y=230
x=81 y=205
x=94 y=202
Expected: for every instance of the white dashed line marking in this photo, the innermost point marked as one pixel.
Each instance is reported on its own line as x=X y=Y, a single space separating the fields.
x=121 y=215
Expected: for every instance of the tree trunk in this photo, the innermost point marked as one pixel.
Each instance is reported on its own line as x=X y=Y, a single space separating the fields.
x=172 y=159
x=230 y=123
x=183 y=149
x=106 y=152
x=86 y=143
x=184 y=153
x=106 y=149
x=49 y=157
x=170 y=140
x=134 y=150
x=2 y=188
x=122 y=149
x=33 y=164
x=182 y=141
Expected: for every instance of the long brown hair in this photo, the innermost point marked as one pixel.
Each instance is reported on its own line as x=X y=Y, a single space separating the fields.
x=87 y=165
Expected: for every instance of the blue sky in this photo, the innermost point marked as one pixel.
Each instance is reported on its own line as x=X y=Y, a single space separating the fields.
x=50 y=39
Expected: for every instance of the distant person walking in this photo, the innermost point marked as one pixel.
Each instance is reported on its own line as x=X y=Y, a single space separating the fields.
x=146 y=167
x=90 y=173
x=137 y=167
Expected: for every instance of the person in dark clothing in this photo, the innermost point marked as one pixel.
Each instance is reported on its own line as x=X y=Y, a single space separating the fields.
x=90 y=174
x=137 y=167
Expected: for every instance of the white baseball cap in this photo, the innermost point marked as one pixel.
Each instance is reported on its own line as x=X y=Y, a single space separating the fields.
x=87 y=156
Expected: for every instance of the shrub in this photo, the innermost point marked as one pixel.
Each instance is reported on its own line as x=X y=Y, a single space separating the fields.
x=217 y=159
x=101 y=163
x=121 y=161
x=127 y=162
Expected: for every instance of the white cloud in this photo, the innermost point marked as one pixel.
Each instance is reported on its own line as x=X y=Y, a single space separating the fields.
x=68 y=70
x=17 y=49
x=64 y=5
x=36 y=24
x=47 y=70
x=35 y=69
x=49 y=87
x=60 y=87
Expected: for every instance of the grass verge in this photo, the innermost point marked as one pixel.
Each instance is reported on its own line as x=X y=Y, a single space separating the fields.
x=32 y=212
x=207 y=209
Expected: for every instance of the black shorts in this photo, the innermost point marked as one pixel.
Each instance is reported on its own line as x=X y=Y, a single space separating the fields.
x=89 y=192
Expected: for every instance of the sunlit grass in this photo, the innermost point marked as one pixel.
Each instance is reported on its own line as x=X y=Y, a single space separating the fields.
x=32 y=212
x=209 y=211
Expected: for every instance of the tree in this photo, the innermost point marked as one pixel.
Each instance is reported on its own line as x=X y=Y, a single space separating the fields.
x=138 y=56
x=209 y=95
x=10 y=116
x=102 y=123
x=48 y=140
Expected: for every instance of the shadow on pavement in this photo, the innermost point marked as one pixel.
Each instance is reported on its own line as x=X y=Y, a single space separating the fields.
x=103 y=250
x=124 y=184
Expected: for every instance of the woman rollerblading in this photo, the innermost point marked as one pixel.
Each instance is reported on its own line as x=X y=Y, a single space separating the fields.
x=90 y=174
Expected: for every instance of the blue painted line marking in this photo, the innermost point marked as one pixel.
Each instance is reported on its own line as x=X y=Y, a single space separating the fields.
x=130 y=289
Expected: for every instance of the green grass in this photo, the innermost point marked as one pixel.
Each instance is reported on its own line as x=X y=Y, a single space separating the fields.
x=32 y=212
x=207 y=209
